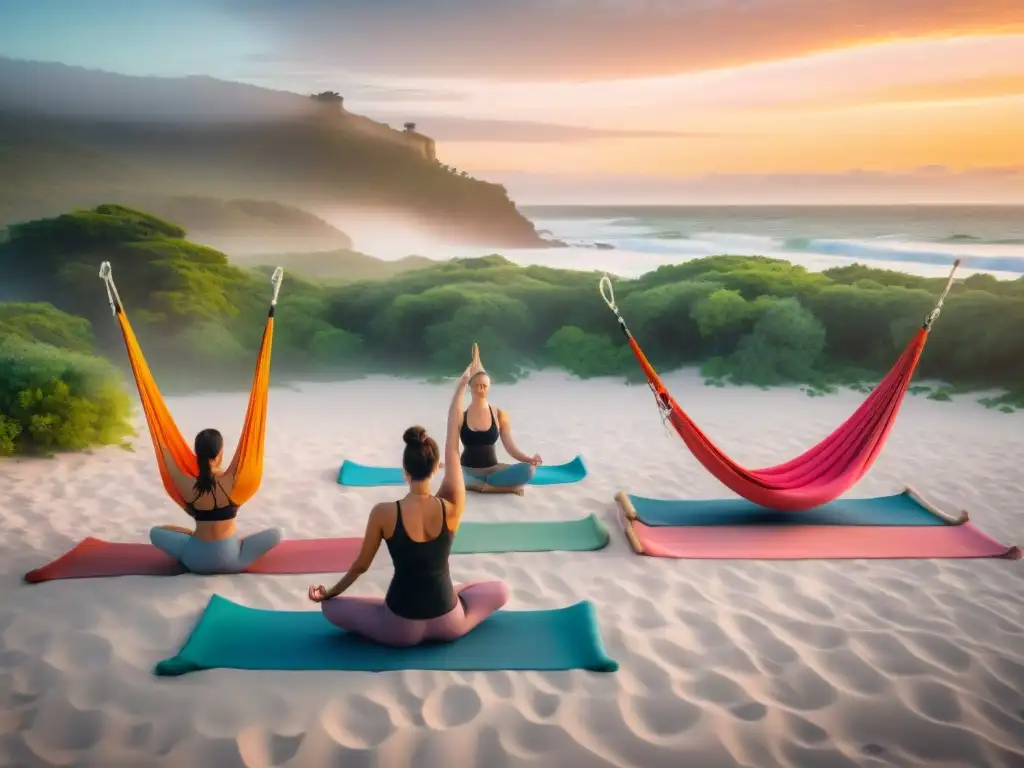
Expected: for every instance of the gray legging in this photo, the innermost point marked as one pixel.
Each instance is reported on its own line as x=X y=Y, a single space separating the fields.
x=231 y=555
x=501 y=475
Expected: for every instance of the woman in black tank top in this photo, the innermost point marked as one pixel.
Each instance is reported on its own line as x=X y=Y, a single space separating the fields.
x=421 y=602
x=482 y=426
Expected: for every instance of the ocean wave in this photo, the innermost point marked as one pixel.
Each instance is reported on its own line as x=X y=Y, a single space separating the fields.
x=982 y=257
x=997 y=256
x=980 y=240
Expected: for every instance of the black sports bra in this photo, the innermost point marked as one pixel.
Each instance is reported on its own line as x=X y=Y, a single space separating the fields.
x=215 y=515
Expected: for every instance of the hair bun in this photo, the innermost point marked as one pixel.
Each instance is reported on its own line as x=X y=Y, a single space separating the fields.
x=415 y=436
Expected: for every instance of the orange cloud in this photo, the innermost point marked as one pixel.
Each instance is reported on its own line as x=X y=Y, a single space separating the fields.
x=884 y=137
x=583 y=40
x=985 y=87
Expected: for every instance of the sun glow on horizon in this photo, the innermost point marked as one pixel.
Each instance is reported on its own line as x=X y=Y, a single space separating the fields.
x=951 y=101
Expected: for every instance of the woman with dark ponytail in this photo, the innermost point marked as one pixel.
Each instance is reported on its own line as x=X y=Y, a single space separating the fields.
x=421 y=603
x=214 y=546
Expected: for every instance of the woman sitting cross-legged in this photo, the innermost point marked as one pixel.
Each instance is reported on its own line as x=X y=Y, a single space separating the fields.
x=482 y=425
x=421 y=604
x=214 y=546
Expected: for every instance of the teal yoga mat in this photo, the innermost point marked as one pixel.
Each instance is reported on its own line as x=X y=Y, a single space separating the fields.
x=360 y=475
x=901 y=509
x=232 y=636
x=587 y=533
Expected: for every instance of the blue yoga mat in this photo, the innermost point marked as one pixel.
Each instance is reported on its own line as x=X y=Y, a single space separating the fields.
x=232 y=636
x=896 y=510
x=363 y=476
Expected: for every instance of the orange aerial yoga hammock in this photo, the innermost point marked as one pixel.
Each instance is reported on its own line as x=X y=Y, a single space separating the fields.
x=820 y=474
x=248 y=459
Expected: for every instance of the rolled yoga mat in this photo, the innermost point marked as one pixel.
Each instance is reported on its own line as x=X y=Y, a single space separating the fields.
x=94 y=558
x=813 y=542
x=362 y=476
x=232 y=636
x=901 y=509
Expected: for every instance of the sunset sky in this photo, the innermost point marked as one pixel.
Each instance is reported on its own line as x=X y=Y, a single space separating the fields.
x=551 y=96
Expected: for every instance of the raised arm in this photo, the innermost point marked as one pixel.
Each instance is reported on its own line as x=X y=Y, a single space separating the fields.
x=184 y=483
x=453 y=486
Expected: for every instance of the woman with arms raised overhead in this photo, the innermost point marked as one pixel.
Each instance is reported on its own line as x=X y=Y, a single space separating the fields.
x=421 y=603
x=195 y=481
x=480 y=427
x=214 y=546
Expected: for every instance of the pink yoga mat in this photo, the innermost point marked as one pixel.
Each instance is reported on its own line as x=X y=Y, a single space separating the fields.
x=93 y=558
x=815 y=542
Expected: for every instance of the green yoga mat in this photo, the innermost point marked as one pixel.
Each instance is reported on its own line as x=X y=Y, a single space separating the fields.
x=232 y=636
x=363 y=476
x=581 y=535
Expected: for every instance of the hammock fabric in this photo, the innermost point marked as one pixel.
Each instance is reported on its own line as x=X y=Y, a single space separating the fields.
x=824 y=472
x=248 y=459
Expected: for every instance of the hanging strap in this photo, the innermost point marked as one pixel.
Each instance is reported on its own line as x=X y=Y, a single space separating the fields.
x=247 y=464
x=934 y=314
x=660 y=398
x=167 y=439
x=604 y=285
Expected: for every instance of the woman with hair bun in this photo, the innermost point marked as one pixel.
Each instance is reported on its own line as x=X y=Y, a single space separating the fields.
x=422 y=603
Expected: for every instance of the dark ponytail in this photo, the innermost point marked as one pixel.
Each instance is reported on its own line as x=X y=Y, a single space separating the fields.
x=208 y=445
x=421 y=454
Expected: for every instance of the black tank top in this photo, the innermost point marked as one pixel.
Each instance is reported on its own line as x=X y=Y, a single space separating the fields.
x=422 y=585
x=478 y=447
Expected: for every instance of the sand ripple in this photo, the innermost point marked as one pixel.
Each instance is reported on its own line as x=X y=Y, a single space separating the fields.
x=795 y=665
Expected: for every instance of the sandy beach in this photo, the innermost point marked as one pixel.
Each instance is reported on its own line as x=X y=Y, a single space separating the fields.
x=723 y=663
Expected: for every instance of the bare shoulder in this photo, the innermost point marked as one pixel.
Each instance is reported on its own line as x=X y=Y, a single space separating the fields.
x=383 y=517
x=502 y=415
x=382 y=510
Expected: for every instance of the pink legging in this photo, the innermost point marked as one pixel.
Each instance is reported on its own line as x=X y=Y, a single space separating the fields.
x=371 y=618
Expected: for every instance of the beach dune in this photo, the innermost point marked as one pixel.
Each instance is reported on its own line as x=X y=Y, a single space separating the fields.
x=723 y=663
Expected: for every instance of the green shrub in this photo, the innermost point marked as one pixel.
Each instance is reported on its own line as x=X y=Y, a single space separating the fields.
x=784 y=347
x=9 y=431
x=45 y=323
x=587 y=354
x=52 y=400
x=335 y=348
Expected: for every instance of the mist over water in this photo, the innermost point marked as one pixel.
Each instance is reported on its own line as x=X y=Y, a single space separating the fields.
x=629 y=241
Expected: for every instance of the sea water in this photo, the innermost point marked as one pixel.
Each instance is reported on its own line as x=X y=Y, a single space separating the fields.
x=629 y=241
x=921 y=240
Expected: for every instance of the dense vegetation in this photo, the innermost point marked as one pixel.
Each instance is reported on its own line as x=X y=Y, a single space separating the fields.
x=748 y=320
x=333 y=267
x=52 y=399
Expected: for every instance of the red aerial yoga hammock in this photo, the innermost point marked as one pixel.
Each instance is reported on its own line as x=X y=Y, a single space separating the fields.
x=248 y=459
x=822 y=473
